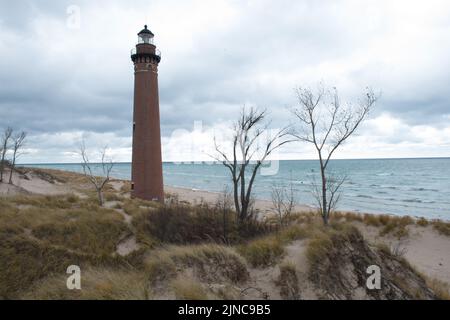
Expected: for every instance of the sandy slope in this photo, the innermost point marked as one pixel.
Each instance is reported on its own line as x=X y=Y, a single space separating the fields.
x=30 y=183
x=425 y=249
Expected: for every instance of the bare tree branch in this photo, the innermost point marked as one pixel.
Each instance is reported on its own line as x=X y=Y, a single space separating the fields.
x=248 y=156
x=18 y=142
x=97 y=181
x=327 y=131
x=7 y=134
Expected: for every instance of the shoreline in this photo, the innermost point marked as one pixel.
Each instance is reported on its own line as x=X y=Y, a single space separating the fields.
x=376 y=197
x=195 y=196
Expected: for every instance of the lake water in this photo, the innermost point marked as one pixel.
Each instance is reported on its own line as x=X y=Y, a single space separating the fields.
x=416 y=187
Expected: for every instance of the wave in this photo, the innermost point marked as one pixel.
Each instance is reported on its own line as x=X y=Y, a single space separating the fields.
x=412 y=200
x=423 y=189
x=364 y=196
x=389 y=187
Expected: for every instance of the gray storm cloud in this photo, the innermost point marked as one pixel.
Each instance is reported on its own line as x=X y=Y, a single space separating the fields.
x=216 y=57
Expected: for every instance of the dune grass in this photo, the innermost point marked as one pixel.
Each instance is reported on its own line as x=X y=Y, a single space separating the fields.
x=209 y=262
x=321 y=240
x=288 y=282
x=24 y=261
x=183 y=246
x=442 y=227
x=267 y=250
x=96 y=284
x=262 y=252
x=64 y=221
x=188 y=289
x=43 y=235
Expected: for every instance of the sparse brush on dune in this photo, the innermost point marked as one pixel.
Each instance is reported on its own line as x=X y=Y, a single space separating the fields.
x=339 y=259
x=61 y=220
x=442 y=227
x=267 y=250
x=186 y=251
x=422 y=222
x=98 y=235
x=183 y=224
x=24 y=261
x=441 y=289
x=288 y=282
x=294 y=232
x=209 y=262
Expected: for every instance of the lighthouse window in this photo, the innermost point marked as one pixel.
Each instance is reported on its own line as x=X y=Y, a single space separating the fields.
x=132 y=186
x=134 y=126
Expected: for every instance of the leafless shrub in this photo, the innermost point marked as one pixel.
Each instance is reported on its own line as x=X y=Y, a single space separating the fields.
x=327 y=124
x=97 y=181
x=400 y=247
x=283 y=201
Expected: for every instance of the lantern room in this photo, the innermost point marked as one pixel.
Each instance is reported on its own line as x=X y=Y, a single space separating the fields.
x=145 y=36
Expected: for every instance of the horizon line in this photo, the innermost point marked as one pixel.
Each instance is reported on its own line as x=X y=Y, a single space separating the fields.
x=205 y=161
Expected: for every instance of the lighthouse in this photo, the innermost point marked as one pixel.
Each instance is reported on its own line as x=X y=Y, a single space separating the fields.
x=146 y=165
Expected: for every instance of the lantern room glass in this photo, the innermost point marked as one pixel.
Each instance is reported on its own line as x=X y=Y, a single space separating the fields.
x=145 y=38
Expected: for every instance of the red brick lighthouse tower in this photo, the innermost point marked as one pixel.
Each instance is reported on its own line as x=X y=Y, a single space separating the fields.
x=146 y=167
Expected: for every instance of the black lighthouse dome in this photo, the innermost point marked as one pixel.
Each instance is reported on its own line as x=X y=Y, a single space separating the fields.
x=146 y=31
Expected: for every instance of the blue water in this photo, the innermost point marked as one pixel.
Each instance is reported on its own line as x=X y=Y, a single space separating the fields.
x=416 y=187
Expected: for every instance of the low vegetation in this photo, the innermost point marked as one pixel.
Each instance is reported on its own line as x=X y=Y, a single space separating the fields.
x=208 y=262
x=184 y=251
x=188 y=289
x=180 y=223
x=98 y=284
x=442 y=227
x=262 y=252
x=288 y=282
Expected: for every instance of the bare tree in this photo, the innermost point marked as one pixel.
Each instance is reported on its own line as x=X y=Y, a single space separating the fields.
x=283 y=201
x=4 y=149
x=327 y=124
x=17 y=144
x=247 y=156
x=106 y=166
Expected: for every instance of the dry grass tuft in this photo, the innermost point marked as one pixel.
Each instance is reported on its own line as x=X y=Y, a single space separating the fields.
x=441 y=289
x=262 y=252
x=188 y=289
x=209 y=262
x=422 y=222
x=321 y=240
x=442 y=227
x=288 y=282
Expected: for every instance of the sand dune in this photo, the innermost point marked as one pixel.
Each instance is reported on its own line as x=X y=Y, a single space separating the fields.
x=425 y=249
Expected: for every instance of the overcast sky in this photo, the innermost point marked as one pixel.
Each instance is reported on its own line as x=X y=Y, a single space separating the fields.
x=64 y=78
